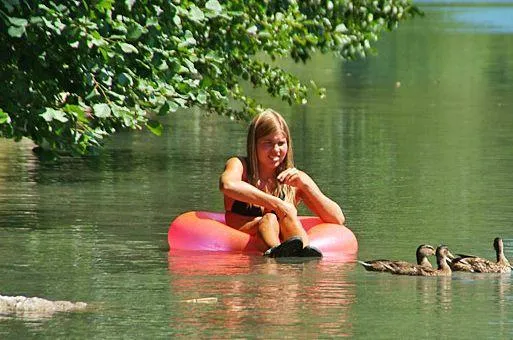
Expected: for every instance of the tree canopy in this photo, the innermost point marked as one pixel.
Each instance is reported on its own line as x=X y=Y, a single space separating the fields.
x=75 y=71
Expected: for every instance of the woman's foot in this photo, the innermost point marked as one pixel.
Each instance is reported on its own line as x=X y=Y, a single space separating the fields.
x=291 y=247
x=310 y=251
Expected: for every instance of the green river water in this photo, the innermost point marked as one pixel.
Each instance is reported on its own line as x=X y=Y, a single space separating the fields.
x=415 y=143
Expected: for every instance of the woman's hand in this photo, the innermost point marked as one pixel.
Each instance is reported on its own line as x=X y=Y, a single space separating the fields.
x=328 y=210
x=293 y=177
x=282 y=209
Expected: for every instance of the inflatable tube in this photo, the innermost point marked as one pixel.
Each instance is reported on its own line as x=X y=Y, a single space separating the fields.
x=207 y=231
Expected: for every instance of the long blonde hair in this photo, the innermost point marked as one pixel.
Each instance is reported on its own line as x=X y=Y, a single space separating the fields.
x=264 y=124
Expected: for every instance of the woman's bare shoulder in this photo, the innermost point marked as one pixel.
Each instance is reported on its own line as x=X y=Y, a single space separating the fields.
x=237 y=161
x=236 y=166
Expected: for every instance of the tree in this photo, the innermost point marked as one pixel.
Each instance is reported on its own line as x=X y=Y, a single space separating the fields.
x=76 y=71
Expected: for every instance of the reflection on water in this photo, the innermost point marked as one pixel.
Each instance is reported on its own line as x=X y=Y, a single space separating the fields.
x=248 y=291
x=462 y=306
x=487 y=19
x=18 y=191
x=435 y=291
x=474 y=16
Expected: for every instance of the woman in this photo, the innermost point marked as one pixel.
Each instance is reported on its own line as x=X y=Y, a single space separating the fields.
x=261 y=191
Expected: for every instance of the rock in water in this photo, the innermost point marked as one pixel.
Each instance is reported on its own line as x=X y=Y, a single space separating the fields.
x=37 y=307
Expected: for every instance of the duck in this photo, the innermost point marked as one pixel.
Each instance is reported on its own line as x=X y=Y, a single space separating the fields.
x=470 y=263
x=442 y=254
x=382 y=265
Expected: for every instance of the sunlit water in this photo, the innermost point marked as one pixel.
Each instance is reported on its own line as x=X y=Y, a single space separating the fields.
x=414 y=143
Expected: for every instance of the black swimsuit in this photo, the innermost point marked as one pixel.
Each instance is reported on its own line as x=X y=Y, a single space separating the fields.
x=245 y=209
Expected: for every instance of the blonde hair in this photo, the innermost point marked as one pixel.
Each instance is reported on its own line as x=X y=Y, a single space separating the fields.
x=264 y=124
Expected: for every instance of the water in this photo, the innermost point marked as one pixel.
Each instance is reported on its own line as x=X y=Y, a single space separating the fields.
x=414 y=143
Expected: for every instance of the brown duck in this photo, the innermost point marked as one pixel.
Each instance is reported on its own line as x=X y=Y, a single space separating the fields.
x=382 y=265
x=469 y=263
x=441 y=253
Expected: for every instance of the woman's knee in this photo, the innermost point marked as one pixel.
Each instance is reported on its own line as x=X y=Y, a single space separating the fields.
x=291 y=217
x=267 y=221
x=270 y=218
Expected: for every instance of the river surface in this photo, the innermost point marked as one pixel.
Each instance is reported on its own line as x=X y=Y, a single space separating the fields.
x=415 y=143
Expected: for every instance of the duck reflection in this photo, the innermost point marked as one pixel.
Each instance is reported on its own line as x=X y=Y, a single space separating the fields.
x=260 y=297
x=436 y=291
x=504 y=294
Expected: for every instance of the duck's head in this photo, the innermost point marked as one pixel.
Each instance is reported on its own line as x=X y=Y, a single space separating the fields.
x=424 y=251
x=441 y=254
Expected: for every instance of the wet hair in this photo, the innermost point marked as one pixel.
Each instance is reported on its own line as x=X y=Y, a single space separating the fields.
x=262 y=125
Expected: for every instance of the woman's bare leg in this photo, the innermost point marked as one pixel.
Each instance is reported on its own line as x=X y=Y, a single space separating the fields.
x=269 y=230
x=291 y=226
x=267 y=227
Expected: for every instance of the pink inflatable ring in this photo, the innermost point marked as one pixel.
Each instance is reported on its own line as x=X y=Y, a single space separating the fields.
x=207 y=231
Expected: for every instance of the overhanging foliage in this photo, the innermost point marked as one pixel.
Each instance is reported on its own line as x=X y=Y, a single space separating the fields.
x=75 y=71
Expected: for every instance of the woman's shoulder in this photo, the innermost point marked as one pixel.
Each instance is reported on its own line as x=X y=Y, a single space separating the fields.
x=237 y=164
x=237 y=160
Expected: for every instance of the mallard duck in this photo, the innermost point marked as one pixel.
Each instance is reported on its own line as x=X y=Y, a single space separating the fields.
x=470 y=263
x=441 y=259
x=381 y=265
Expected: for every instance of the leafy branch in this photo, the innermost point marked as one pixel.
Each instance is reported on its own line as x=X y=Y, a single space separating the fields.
x=77 y=71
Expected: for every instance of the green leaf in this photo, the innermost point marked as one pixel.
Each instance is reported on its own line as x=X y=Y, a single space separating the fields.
x=105 y=5
x=124 y=79
x=196 y=14
x=173 y=106
x=128 y=48
x=18 y=21
x=177 y=21
x=129 y=4
x=134 y=32
x=36 y=20
x=214 y=6
x=94 y=93
x=252 y=30
x=341 y=28
x=189 y=39
x=4 y=117
x=96 y=40
x=153 y=21
x=127 y=117
x=155 y=127
x=16 y=31
x=77 y=111
x=52 y=114
x=164 y=109
x=201 y=97
x=190 y=66
x=10 y=5
x=101 y=110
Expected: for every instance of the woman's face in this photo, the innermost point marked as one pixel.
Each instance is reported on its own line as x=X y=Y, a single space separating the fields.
x=272 y=150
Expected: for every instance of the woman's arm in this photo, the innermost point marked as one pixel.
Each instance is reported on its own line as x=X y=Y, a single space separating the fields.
x=232 y=185
x=322 y=206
